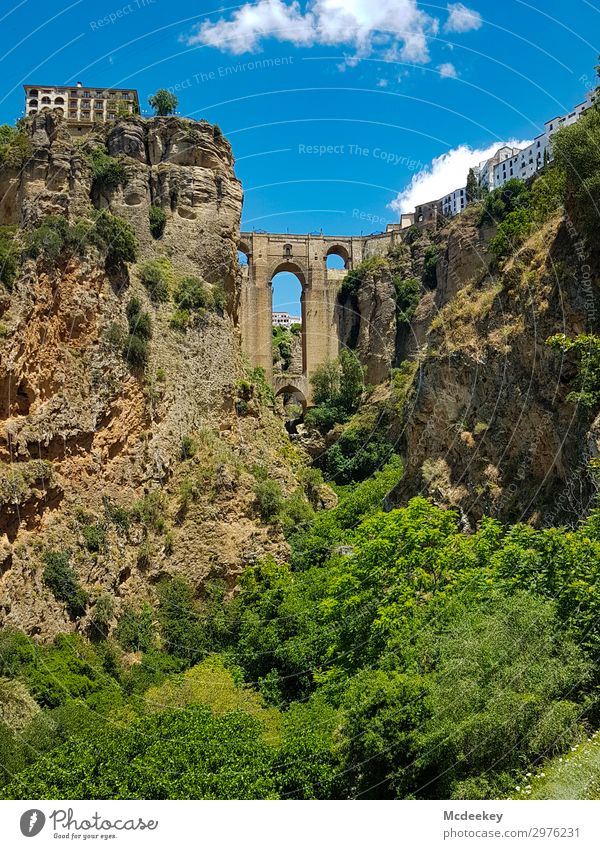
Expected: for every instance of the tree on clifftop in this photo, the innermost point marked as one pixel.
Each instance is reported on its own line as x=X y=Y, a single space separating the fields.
x=163 y=102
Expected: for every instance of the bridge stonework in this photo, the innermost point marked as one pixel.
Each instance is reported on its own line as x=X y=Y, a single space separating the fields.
x=305 y=256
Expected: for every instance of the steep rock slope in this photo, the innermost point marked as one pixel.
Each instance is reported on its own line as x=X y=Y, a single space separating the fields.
x=487 y=426
x=95 y=455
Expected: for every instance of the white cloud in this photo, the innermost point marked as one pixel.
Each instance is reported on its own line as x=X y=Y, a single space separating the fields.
x=383 y=83
x=447 y=69
x=362 y=24
x=446 y=173
x=462 y=19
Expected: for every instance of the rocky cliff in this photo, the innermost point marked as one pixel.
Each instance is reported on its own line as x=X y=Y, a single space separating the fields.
x=488 y=426
x=131 y=473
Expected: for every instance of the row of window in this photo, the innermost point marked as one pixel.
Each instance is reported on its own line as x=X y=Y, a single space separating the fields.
x=101 y=95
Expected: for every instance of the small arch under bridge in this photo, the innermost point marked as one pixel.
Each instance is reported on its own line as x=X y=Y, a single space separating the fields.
x=305 y=256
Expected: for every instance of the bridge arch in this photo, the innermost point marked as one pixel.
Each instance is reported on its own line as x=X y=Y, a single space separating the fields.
x=341 y=251
x=305 y=256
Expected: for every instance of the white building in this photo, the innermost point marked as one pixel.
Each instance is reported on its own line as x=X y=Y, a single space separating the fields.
x=454 y=203
x=79 y=104
x=284 y=319
x=506 y=164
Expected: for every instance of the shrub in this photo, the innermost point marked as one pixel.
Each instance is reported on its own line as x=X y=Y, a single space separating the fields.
x=9 y=257
x=407 y=291
x=193 y=294
x=430 y=261
x=103 y=613
x=135 y=630
x=136 y=351
x=180 y=622
x=188 y=448
x=586 y=348
x=151 y=510
x=49 y=238
x=15 y=147
x=500 y=202
x=356 y=455
x=158 y=221
x=107 y=171
x=269 y=499
x=158 y=278
x=282 y=346
x=117 y=237
x=511 y=234
x=338 y=387
x=547 y=194
x=94 y=537
x=60 y=578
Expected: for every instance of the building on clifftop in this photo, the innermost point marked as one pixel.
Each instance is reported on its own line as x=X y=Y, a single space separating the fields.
x=82 y=105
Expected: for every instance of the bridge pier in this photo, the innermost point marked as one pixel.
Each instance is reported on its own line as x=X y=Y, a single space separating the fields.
x=305 y=256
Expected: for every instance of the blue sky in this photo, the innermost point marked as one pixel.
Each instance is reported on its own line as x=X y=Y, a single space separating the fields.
x=334 y=108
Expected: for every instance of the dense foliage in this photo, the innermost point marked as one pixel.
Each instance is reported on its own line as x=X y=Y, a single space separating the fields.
x=577 y=156
x=338 y=387
x=56 y=238
x=396 y=656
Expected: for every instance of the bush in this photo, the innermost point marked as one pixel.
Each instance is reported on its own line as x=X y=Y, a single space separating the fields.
x=269 y=499
x=15 y=147
x=511 y=234
x=135 y=630
x=282 y=346
x=547 y=194
x=430 y=261
x=158 y=221
x=136 y=351
x=49 y=238
x=338 y=387
x=94 y=537
x=117 y=237
x=60 y=578
x=103 y=612
x=407 y=291
x=151 y=510
x=9 y=257
x=158 y=278
x=107 y=172
x=179 y=617
x=193 y=294
x=356 y=455
x=586 y=348
x=188 y=448
x=500 y=202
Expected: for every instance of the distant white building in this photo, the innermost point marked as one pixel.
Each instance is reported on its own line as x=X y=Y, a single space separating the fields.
x=454 y=203
x=284 y=319
x=507 y=163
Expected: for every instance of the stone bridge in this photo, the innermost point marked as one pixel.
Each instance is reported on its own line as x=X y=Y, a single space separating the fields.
x=306 y=256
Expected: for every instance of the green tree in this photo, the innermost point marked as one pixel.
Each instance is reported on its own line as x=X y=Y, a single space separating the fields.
x=473 y=190
x=163 y=102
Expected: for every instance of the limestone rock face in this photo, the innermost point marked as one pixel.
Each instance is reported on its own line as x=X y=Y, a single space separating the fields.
x=488 y=426
x=84 y=435
x=367 y=325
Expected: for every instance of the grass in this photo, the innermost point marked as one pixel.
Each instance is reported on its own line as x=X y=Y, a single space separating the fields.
x=575 y=775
